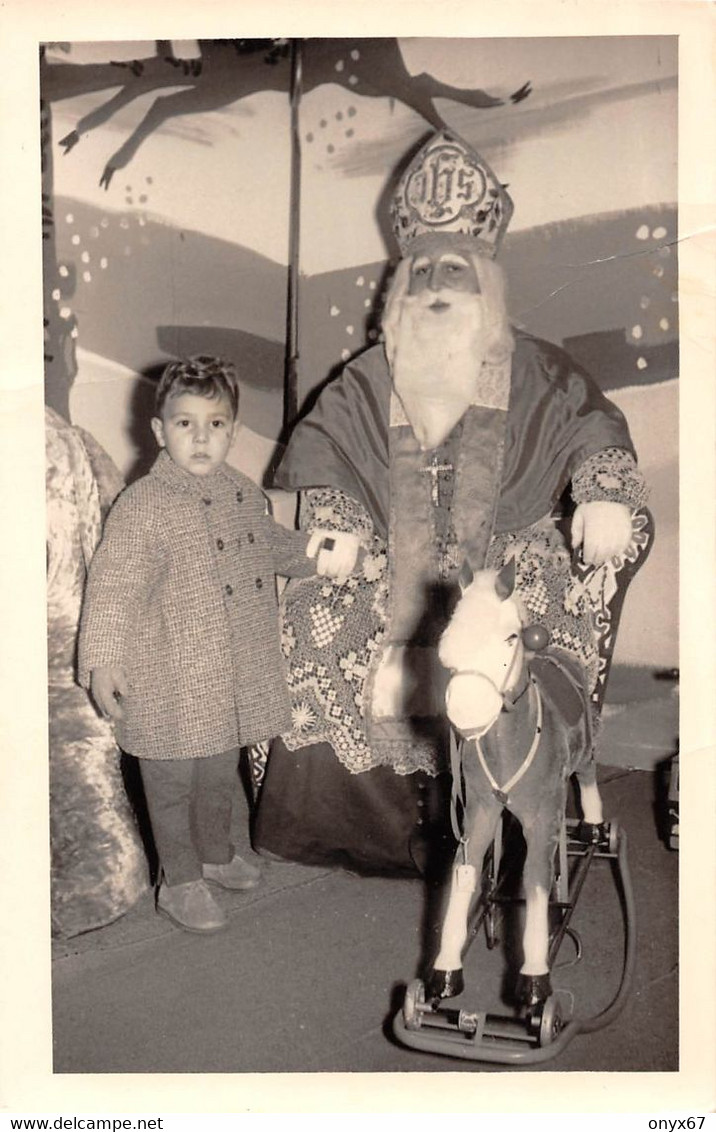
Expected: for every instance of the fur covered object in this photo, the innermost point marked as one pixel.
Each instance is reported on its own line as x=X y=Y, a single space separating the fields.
x=98 y=863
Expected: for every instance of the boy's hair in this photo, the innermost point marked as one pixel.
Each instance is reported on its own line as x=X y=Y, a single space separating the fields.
x=201 y=374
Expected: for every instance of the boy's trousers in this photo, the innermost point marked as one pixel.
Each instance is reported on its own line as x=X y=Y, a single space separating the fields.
x=190 y=803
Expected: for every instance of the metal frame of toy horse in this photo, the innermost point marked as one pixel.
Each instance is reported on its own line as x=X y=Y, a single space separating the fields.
x=540 y=1033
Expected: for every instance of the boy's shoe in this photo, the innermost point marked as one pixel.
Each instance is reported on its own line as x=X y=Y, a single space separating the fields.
x=191 y=906
x=237 y=874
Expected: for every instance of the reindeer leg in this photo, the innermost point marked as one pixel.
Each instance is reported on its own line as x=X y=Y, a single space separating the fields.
x=431 y=88
x=104 y=112
x=446 y=979
x=161 y=109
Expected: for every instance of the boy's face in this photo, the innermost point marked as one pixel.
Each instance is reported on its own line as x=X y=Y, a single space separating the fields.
x=196 y=431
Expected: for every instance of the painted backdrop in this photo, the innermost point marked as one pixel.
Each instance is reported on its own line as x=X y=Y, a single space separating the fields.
x=169 y=218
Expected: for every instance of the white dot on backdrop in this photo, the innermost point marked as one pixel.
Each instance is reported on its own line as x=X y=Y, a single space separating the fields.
x=345 y=355
x=142 y=221
x=74 y=332
x=334 y=311
x=85 y=257
x=658 y=271
x=664 y=323
x=674 y=297
x=350 y=329
x=367 y=302
x=124 y=223
x=56 y=294
x=70 y=218
x=636 y=332
x=353 y=80
x=372 y=284
x=644 y=302
x=87 y=276
x=340 y=65
x=94 y=231
x=355 y=53
x=642 y=233
x=103 y=262
x=641 y=363
x=75 y=239
x=64 y=271
x=664 y=251
x=360 y=281
x=658 y=233
x=65 y=312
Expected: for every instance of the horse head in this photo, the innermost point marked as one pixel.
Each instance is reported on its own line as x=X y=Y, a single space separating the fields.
x=483 y=649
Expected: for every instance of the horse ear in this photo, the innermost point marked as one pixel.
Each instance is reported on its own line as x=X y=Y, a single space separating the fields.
x=505 y=580
x=465 y=577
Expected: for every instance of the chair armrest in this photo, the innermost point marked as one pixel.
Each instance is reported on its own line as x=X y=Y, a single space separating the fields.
x=606 y=586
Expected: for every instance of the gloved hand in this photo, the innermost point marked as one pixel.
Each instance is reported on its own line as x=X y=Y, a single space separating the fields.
x=603 y=530
x=106 y=685
x=336 y=561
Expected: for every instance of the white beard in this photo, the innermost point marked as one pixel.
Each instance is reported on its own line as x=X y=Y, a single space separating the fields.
x=438 y=355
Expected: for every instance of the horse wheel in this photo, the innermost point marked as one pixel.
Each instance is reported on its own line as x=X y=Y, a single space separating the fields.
x=551 y=1022
x=414 y=1000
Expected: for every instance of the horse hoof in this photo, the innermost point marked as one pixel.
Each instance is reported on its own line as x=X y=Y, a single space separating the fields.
x=593 y=833
x=531 y=990
x=445 y=984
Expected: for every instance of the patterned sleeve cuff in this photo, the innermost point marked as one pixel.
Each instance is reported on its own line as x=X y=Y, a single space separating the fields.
x=325 y=508
x=612 y=475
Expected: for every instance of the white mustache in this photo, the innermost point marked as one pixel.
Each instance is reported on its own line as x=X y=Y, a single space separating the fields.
x=427 y=299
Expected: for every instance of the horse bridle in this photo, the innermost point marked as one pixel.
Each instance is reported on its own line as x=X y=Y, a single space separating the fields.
x=500 y=792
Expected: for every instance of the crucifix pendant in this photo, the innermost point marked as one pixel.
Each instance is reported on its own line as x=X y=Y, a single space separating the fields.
x=433 y=469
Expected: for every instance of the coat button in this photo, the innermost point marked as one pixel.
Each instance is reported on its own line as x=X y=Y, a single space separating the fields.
x=259 y=584
x=240 y=495
x=250 y=537
x=220 y=543
x=229 y=589
x=206 y=500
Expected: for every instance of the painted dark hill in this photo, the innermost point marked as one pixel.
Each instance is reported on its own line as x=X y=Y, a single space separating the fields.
x=171 y=291
x=603 y=286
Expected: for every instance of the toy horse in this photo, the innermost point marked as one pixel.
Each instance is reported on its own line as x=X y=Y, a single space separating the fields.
x=525 y=721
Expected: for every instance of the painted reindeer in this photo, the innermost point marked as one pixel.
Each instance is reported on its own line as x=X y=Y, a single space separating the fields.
x=525 y=721
x=231 y=69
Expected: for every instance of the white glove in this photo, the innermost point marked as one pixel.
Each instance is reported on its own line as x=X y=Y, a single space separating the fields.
x=603 y=530
x=335 y=561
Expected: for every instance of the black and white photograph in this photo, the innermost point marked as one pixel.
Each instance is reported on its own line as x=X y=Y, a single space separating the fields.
x=363 y=530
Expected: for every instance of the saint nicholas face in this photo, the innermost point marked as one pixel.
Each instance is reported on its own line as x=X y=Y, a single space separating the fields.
x=442 y=271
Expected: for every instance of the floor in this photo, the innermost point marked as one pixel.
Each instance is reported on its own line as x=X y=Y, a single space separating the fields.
x=313 y=967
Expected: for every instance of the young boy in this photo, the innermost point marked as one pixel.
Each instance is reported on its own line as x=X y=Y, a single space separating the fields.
x=179 y=638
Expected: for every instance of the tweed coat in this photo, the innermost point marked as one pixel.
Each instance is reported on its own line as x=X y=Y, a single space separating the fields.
x=181 y=594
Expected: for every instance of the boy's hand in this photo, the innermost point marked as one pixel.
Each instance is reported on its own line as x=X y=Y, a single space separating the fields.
x=107 y=684
x=337 y=553
x=602 y=529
